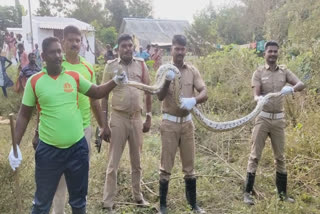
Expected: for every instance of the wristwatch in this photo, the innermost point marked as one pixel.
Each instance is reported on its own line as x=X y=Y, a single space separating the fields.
x=149 y=114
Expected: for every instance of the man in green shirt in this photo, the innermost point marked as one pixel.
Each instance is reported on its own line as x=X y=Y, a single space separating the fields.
x=73 y=62
x=62 y=147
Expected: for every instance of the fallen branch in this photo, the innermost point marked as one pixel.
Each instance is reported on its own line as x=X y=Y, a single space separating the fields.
x=152 y=192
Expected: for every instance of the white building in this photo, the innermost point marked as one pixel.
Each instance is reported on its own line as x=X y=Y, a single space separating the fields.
x=44 y=27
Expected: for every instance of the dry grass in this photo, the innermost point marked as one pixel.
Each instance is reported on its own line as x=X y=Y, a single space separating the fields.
x=220 y=164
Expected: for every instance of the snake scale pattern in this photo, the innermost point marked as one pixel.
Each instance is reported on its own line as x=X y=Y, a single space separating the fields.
x=205 y=122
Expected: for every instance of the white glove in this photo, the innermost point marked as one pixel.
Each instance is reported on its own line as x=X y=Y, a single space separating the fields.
x=15 y=162
x=188 y=103
x=120 y=79
x=170 y=75
x=287 y=90
x=258 y=98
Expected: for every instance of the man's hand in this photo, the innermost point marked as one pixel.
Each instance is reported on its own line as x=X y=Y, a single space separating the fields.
x=188 y=103
x=170 y=75
x=120 y=79
x=146 y=125
x=15 y=162
x=35 y=140
x=105 y=133
x=287 y=90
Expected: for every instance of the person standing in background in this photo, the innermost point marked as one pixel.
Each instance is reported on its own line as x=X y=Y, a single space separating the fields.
x=36 y=51
x=5 y=81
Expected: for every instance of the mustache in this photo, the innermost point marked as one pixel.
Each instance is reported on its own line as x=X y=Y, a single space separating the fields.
x=74 y=47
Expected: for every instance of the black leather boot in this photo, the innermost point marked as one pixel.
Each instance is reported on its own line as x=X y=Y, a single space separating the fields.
x=281 y=182
x=163 y=191
x=191 y=194
x=248 y=199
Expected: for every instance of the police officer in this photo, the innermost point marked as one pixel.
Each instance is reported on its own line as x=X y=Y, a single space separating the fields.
x=177 y=129
x=268 y=79
x=126 y=123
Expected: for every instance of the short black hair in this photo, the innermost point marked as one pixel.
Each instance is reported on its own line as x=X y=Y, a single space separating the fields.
x=71 y=29
x=124 y=37
x=270 y=43
x=47 y=42
x=179 y=40
x=20 y=45
x=30 y=54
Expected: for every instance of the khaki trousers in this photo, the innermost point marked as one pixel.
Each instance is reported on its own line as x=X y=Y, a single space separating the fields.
x=124 y=127
x=263 y=128
x=174 y=136
x=59 y=200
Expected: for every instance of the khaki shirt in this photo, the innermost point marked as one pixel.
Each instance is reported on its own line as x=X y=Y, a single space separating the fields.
x=273 y=81
x=125 y=98
x=190 y=80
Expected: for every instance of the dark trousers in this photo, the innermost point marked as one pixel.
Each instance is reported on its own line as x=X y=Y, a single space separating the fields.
x=4 y=90
x=51 y=163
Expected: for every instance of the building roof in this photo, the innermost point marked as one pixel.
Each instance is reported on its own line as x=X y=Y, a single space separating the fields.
x=59 y=23
x=153 y=30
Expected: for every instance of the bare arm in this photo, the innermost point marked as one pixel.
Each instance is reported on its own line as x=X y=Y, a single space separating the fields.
x=104 y=106
x=97 y=112
x=10 y=63
x=256 y=92
x=202 y=96
x=23 y=119
x=98 y=92
x=297 y=85
x=148 y=103
x=164 y=91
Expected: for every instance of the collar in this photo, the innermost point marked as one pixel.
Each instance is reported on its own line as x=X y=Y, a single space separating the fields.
x=184 y=65
x=44 y=69
x=266 y=66
x=81 y=59
x=120 y=61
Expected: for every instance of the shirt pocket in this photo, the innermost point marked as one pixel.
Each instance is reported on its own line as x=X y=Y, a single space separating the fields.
x=280 y=82
x=266 y=84
x=135 y=77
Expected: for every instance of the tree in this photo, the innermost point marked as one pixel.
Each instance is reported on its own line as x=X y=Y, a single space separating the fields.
x=230 y=25
x=140 y=8
x=9 y=17
x=105 y=35
x=119 y=9
x=202 y=36
x=89 y=11
x=54 y=7
x=44 y=8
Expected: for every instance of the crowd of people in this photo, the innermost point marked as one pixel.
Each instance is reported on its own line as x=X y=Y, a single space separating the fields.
x=65 y=92
x=151 y=52
x=28 y=63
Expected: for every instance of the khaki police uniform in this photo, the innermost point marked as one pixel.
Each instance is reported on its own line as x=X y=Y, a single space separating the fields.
x=126 y=125
x=177 y=129
x=271 y=121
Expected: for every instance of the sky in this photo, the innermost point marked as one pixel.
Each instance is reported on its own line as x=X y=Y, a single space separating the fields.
x=162 y=9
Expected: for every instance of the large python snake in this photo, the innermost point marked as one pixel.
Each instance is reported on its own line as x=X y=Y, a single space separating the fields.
x=205 y=122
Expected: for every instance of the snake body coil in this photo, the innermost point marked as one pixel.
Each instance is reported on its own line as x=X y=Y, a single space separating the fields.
x=205 y=122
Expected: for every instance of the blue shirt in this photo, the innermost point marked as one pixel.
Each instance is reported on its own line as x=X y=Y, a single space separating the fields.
x=144 y=55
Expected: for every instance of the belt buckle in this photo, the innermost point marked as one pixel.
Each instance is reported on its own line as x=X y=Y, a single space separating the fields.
x=275 y=116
